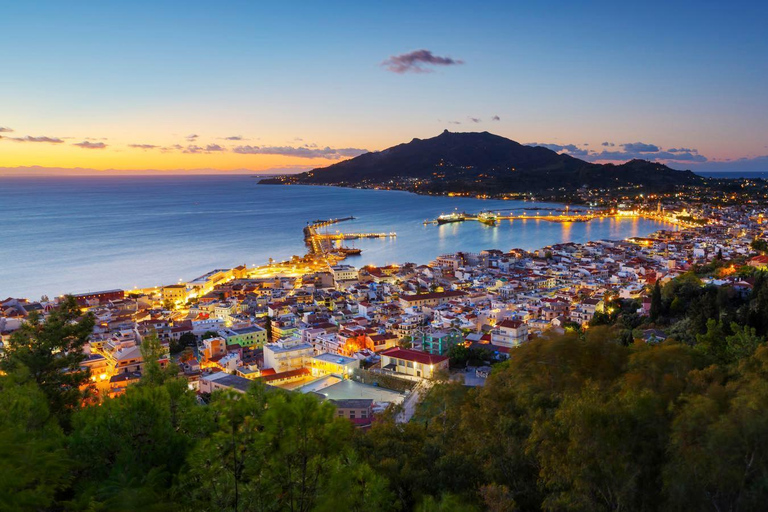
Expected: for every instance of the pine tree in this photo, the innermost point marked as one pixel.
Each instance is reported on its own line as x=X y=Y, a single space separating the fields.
x=656 y=302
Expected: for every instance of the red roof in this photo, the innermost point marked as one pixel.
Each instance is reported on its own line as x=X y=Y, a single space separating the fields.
x=414 y=355
x=510 y=324
x=436 y=295
x=300 y=372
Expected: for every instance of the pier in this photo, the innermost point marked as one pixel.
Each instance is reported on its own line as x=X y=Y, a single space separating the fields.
x=321 y=244
x=492 y=220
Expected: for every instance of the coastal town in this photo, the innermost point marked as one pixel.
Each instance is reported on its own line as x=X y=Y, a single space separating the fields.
x=371 y=338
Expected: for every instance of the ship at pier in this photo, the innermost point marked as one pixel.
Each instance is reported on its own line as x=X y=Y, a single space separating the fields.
x=448 y=218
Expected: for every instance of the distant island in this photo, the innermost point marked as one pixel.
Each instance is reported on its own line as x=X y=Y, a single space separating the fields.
x=481 y=163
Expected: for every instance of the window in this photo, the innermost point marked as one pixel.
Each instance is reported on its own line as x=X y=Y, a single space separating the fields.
x=410 y=364
x=400 y=362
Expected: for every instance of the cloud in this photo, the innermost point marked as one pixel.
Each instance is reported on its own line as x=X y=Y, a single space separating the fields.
x=175 y=147
x=658 y=155
x=5 y=129
x=143 y=146
x=744 y=164
x=640 y=147
x=630 y=151
x=90 y=145
x=475 y=119
x=454 y=122
x=192 y=137
x=194 y=149
x=29 y=138
x=682 y=150
x=495 y=118
x=301 y=151
x=234 y=137
x=571 y=149
x=414 y=62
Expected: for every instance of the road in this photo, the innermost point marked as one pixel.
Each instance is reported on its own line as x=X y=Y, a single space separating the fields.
x=413 y=398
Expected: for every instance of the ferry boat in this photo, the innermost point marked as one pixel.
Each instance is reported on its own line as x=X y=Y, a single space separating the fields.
x=488 y=218
x=451 y=217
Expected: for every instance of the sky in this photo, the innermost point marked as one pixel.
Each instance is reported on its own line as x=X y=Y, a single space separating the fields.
x=286 y=86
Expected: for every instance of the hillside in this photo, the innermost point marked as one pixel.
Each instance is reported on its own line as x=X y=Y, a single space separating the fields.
x=488 y=164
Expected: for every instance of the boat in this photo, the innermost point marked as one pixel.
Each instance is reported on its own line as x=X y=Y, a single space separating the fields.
x=451 y=217
x=488 y=218
x=349 y=251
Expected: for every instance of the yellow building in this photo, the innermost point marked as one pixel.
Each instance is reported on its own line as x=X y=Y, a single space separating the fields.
x=176 y=293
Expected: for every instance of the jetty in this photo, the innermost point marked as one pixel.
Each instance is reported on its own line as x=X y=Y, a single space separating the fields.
x=322 y=244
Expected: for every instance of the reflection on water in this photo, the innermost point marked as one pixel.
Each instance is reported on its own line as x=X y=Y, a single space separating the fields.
x=64 y=235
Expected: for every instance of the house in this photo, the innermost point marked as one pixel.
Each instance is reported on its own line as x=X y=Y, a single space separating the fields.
x=413 y=362
x=357 y=410
x=324 y=364
x=247 y=336
x=287 y=355
x=436 y=341
x=509 y=333
x=221 y=381
x=429 y=299
x=760 y=262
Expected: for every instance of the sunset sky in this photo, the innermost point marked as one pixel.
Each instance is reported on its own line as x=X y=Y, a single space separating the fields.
x=281 y=85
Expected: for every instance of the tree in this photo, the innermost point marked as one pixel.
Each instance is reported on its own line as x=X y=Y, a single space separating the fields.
x=34 y=465
x=459 y=355
x=759 y=245
x=52 y=351
x=656 y=304
x=718 y=444
x=152 y=351
x=268 y=328
x=185 y=340
x=130 y=448
x=273 y=450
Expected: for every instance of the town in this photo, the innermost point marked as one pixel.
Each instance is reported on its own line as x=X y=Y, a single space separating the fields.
x=372 y=338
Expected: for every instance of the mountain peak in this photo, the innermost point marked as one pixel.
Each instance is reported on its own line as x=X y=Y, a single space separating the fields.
x=482 y=162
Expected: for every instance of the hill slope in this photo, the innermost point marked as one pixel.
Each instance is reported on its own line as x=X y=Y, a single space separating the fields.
x=488 y=164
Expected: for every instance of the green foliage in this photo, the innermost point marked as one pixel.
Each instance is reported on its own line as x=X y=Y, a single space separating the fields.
x=34 y=465
x=459 y=355
x=759 y=245
x=656 y=302
x=185 y=340
x=50 y=351
x=278 y=451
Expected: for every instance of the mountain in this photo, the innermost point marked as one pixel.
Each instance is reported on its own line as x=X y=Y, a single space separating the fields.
x=484 y=163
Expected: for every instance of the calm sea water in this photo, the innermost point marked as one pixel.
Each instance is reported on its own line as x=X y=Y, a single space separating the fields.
x=77 y=234
x=734 y=174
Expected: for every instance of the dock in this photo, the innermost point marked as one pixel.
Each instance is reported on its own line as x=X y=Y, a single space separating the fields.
x=321 y=244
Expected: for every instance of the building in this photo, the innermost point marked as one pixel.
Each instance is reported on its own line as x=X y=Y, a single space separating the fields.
x=175 y=293
x=509 y=333
x=357 y=410
x=87 y=299
x=287 y=355
x=343 y=275
x=325 y=364
x=413 y=362
x=254 y=336
x=220 y=381
x=436 y=341
x=429 y=299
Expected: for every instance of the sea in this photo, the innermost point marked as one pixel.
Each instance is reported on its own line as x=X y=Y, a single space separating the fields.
x=80 y=234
